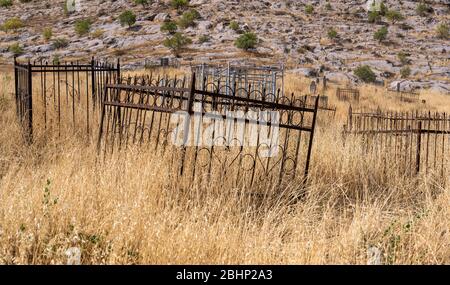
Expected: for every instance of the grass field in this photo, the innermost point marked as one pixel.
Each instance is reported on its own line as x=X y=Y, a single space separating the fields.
x=57 y=194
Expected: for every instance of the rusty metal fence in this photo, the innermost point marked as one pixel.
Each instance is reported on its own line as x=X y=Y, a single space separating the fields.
x=57 y=98
x=171 y=117
x=347 y=94
x=324 y=106
x=412 y=141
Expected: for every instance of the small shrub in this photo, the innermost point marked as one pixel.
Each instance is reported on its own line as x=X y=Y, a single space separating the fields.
x=179 y=4
x=127 y=18
x=383 y=9
x=422 y=9
x=60 y=43
x=403 y=58
x=234 y=26
x=309 y=9
x=82 y=27
x=332 y=34
x=405 y=72
x=381 y=34
x=12 y=24
x=188 y=18
x=16 y=49
x=247 y=41
x=365 y=74
x=47 y=33
x=56 y=59
x=177 y=42
x=374 y=17
x=6 y=3
x=394 y=16
x=328 y=7
x=169 y=27
x=203 y=39
x=442 y=31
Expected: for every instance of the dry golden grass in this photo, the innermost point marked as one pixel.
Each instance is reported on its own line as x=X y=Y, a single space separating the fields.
x=58 y=194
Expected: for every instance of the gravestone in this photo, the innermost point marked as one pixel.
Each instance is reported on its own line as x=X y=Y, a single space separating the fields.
x=313 y=87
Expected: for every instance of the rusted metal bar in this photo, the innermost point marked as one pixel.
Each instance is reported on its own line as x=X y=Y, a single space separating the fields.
x=419 y=145
x=311 y=140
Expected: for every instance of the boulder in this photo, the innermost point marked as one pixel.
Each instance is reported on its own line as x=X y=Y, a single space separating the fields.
x=162 y=17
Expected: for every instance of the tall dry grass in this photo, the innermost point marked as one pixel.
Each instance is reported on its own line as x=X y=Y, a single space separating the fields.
x=57 y=194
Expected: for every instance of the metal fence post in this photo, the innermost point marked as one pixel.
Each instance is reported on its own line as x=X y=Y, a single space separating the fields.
x=93 y=80
x=118 y=72
x=419 y=143
x=16 y=87
x=189 y=110
x=311 y=138
x=30 y=103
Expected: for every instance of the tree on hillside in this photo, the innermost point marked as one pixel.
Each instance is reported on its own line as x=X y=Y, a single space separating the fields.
x=381 y=34
x=127 y=18
x=247 y=41
x=177 y=42
x=365 y=74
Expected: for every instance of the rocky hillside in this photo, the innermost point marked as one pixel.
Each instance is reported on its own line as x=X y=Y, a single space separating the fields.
x=332 y=38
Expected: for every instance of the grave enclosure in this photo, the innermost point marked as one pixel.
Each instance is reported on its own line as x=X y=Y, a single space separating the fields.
x=95 y=101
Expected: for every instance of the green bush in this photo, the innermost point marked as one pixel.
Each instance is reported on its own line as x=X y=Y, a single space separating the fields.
x=12 y=24
x=332 y=34
x=234 y=26
x=203 y=39
x=179 y=4
x=442 y=31
x=381 y=34
x=394 y=16
x=405 y=72
x=422 y=9
x=328 y=7
x=82 y=27
x=403 y=58
x=246 y=41
x=365 y=73
x=56 y=59
x=188 y=18
x=374 y=17
x=6 y=3
x=169 y=27
x=60 y=43
x=16 y=49
x=127 y=18
x=177 y=42
x=383 y=9
x=309 y=9
x=47 y=33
